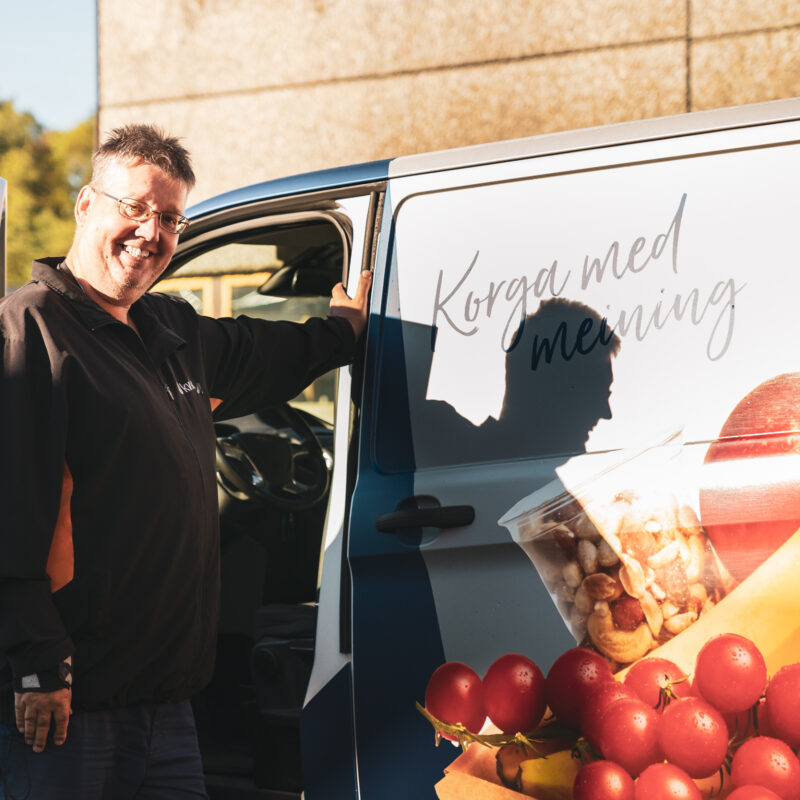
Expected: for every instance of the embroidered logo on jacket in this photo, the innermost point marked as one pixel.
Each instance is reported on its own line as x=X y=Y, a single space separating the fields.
x=189 y=387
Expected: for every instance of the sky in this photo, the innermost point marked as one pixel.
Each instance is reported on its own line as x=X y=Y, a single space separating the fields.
x=48 y=59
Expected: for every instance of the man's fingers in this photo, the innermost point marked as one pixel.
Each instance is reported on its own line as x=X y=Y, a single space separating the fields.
x=19 y=713
x=61 y=721
x=340 y=296
x=42 y=728
x=364 y=281
x=36 y=711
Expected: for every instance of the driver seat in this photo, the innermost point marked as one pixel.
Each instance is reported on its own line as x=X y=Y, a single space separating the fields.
x=280 y=666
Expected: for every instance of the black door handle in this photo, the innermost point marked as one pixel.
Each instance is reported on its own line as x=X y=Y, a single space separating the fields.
x=432 y=517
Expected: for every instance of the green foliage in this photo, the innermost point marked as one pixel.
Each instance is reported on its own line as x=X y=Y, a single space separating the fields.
x=44 y=170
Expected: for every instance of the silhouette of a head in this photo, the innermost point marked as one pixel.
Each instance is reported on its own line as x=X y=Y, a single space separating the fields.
x=558 y=379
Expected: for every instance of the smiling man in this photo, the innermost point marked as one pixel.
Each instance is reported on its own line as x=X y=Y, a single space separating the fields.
x=109 y=545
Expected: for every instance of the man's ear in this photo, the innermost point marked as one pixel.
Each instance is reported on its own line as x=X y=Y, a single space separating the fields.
x=85 y=199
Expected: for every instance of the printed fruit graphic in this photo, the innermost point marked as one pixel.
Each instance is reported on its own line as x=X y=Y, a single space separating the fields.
x=666 y=782
x=549 y=778
x=751 y=504
x=455 y=694
x=651 y=678
x=764 y=761
x=693 y=736
x=782 y=705
x=629 y=735
x=513 y=693
x=730 y=672
x=598 y=701
x=751 y=792
x=574 y=674
x=602 y=780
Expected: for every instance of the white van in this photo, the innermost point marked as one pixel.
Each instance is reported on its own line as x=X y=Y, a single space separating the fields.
x=575 y=421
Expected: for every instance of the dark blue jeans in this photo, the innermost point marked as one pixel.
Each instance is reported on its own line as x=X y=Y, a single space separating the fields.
x=141 y=753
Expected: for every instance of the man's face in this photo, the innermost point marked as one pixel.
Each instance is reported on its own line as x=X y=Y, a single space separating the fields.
x=119 y=257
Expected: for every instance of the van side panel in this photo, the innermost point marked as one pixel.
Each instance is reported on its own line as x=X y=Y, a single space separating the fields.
x=594 y=350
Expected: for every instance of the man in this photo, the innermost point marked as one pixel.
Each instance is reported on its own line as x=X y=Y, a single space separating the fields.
x=109 y=538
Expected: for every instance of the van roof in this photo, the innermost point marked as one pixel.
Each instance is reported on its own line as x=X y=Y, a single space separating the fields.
x=545 y=144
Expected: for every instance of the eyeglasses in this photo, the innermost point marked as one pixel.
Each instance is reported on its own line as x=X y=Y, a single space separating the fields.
x=139 y=211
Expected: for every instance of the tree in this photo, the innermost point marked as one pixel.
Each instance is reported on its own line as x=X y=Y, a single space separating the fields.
x=44 y=170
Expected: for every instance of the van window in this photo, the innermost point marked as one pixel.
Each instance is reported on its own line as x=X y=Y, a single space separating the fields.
x=225 y=282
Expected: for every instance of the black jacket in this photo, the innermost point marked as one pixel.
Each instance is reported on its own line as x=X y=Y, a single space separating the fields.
x=131 y=421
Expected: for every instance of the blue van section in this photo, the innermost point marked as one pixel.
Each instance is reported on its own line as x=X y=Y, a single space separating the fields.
x=326 y=738
x=396 y=640
x=293 y=185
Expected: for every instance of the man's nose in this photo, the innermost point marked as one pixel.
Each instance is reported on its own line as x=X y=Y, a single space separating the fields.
x=148 y=228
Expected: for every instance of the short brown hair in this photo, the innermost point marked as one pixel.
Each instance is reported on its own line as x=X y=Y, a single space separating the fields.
x=148 y=144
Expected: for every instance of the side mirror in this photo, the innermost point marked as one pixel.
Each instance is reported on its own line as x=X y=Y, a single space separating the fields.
x=312 y=273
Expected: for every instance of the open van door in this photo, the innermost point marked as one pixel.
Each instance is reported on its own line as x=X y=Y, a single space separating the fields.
x=2 y=237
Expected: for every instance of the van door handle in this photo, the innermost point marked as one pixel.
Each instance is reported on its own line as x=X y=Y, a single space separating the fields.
x=432 y=517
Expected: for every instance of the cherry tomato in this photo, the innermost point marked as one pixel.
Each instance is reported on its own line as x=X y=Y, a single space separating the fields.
x=730 y=672
x=693 y=736
x=629 y=735
x=783 y=705
x=666 y=782
x=751 y=792
x=570 y=678
x=513 y=693
x=602 y=780
x=455 y=694
x=597 y=702
x=764 y=761
x=650 y=675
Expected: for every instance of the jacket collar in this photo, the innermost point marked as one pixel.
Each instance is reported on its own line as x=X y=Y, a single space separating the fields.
x=159 y=340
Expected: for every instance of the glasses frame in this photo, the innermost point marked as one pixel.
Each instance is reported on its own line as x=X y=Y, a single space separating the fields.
x=182 y=225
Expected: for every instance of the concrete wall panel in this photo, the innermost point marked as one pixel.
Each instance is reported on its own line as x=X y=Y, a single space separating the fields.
x=245 y=138
x=745 y=69
x=185 y=48
x=715 y=17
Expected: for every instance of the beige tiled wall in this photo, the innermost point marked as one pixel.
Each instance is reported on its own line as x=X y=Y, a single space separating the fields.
x=263 y=89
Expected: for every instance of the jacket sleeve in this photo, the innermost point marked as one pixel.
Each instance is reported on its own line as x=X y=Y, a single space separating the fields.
x=33 y=419
x=252 y=363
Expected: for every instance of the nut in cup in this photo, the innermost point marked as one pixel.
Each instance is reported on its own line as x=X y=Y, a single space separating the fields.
x=623 y=555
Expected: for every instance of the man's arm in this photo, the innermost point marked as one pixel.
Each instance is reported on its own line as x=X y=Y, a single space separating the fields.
x=32 y=446
x=253 y=363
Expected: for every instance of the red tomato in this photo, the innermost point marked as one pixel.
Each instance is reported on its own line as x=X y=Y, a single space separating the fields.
x=598 y=700
x=730 y=672
x=650 y=675
x=693 y=736
x=751 y=792
x=513 y=693
x=629 y=735
x=571 y=677
x=602 y=780
x=742 y=540
x=764 y=761
x=455 y=694
x=783 y=705
x=666 y=782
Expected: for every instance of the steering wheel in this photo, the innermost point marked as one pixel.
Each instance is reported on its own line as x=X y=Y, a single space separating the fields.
x=285 y=469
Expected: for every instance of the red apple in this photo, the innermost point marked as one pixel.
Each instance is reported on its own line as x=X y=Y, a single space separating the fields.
x=750 y=498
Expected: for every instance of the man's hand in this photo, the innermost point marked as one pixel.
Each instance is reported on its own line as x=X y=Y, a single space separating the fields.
x=353 y=309
x=34 y=711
